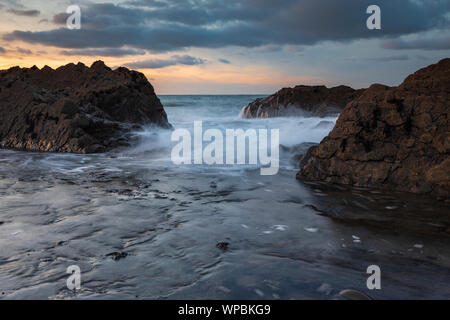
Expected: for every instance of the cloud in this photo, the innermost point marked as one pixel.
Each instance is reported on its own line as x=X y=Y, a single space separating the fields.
x=60 y=18
x=25 y=13
x=2 y=50
x=24 y=51
x=170 y=25
x=390 y=58
x=435 y=43
x=224 y=61
x=147 y=3
x=104 y=52
x=162 y=63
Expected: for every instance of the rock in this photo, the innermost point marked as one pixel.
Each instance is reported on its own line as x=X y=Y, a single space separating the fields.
x=75 y=108
x=117 y=255
x=222 y=245
x=350 y=294
x=302 y=100
x=60 y=243
x=391 y=137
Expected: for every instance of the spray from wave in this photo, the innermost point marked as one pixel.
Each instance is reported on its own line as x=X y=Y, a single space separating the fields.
x=222 y=113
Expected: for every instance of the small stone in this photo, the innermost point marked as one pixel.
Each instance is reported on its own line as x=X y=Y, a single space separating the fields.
x=351 y=294
x=117 y=255
x=222 y=246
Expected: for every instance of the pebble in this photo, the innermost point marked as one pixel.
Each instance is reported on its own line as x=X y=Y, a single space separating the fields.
x=117 y=255
x=351 y=294
x=222 y=246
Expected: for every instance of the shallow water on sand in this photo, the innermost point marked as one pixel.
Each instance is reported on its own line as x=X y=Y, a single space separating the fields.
x=286 y=239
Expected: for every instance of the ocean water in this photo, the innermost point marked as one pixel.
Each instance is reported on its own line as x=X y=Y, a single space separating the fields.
x=286 y=239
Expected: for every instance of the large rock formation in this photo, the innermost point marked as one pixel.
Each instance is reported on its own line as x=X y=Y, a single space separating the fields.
x=75 y=108
x=394 y=138
x=302 y=100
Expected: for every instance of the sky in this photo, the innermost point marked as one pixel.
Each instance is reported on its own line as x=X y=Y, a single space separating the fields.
x=231 y=47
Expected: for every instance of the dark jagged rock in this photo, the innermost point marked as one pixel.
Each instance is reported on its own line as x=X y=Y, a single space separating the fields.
x=300 y=100
x=75 y=108
x=393 y=138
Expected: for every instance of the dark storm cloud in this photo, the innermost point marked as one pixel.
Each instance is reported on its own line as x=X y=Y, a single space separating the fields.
x=2 y=50
x=440 y=43
x=26 y=13
x=157 y=39
x=162 y=63
x=175 y=25
x=104 y=52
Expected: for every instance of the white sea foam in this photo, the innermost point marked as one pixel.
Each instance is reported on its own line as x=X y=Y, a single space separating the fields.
x=222 y=112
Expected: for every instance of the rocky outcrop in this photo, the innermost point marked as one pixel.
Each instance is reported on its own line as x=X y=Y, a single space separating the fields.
x=75 y=108
x=302 y=100
x=391 y=137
